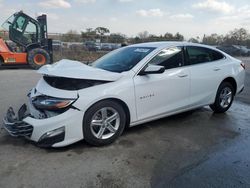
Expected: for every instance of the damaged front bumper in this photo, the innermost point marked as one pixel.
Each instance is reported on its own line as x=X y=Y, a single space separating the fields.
x=14 y=125
x=57 y=131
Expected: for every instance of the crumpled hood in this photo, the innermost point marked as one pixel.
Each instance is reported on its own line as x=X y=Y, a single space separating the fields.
x=75 y=69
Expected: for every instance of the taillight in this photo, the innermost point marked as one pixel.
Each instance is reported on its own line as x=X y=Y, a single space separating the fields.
x=243 y=65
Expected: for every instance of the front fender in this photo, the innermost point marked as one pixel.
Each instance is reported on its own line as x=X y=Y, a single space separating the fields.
x=122 y=91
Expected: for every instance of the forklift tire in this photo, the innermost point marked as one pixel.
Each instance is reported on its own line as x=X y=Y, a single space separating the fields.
x=38 y=57
x=1 y=61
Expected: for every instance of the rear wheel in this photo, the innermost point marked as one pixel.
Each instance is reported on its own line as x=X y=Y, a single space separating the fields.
x=103 y=123
x=38 y=57
x=224 y=98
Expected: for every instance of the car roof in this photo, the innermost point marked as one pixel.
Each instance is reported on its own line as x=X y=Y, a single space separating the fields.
x=165 y=44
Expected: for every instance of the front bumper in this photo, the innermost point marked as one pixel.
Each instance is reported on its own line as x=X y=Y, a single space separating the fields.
x=24 y=125
x=15 y=126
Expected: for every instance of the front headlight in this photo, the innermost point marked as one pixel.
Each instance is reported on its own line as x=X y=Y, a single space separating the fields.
x=49 y=103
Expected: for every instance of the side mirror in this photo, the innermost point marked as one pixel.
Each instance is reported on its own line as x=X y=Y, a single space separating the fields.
x=152 y=69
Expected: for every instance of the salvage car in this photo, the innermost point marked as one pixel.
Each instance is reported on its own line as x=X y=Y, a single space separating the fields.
x=127 y=87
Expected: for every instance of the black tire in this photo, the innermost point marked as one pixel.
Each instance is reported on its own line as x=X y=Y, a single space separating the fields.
x=217 y=106
x=1 y=61
x=38 y=57
x=90 y=113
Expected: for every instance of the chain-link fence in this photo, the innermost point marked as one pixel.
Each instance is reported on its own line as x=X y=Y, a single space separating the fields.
x=79 y=54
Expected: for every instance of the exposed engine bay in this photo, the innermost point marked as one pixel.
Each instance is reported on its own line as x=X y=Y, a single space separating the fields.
x=71 y=83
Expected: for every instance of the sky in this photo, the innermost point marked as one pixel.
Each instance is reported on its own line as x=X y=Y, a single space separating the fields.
x=191 y=18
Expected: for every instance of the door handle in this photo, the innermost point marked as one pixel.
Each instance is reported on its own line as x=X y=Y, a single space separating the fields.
x=182 y=75
x=216 y=69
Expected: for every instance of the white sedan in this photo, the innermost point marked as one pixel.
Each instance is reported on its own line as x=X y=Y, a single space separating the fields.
x=127 y=87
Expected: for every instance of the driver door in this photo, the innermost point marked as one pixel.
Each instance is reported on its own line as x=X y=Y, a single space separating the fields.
x=159 y=94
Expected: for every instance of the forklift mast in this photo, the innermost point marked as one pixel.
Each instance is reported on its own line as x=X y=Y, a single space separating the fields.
x=45 y=41
x=43 y=24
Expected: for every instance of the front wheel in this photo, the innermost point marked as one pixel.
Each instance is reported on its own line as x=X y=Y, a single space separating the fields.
x=103 y=123
x=224 y=98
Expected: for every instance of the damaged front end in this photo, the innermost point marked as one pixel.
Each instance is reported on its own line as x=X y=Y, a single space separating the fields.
x=71 y=84
x=14 y=125
x=50 y=117
x=44 y=119
x=39 y=108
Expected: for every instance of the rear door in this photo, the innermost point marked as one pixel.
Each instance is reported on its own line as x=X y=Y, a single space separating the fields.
x=158 y=94
x=206 y=72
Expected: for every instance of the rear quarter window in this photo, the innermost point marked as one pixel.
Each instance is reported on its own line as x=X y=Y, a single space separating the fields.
x=216 y=55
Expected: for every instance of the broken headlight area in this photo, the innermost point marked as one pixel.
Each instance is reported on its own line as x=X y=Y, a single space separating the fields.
x=71 y=83
x=46 y=103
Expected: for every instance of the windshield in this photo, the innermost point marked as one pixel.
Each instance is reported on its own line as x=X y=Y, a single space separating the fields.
x=123 y=59
x=8 y=22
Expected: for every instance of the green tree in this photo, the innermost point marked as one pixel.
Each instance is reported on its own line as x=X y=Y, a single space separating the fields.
x=143 y=35
x=193 y=40
x=178 y=37
x=117 y=38
x=237 y=36
x=154 y=38
x=213 y=39
x=168 y=36
x=101 y=31
x=171 y=37
x=71 y=36
x=89 y=34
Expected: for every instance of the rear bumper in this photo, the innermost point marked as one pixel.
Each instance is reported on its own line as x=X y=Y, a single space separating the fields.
x=57 y=131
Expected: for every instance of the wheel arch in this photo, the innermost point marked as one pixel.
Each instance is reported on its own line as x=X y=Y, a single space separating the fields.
x=33 y=46
x=232 y=81
x=122 y=103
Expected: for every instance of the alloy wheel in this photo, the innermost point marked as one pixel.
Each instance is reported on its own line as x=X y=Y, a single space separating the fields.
x=105 y=123
x=226 y=97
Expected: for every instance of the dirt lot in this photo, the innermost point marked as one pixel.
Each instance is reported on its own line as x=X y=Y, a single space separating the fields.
x=193 y=149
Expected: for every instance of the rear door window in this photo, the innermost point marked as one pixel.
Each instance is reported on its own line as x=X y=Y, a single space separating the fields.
x=197 y=55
